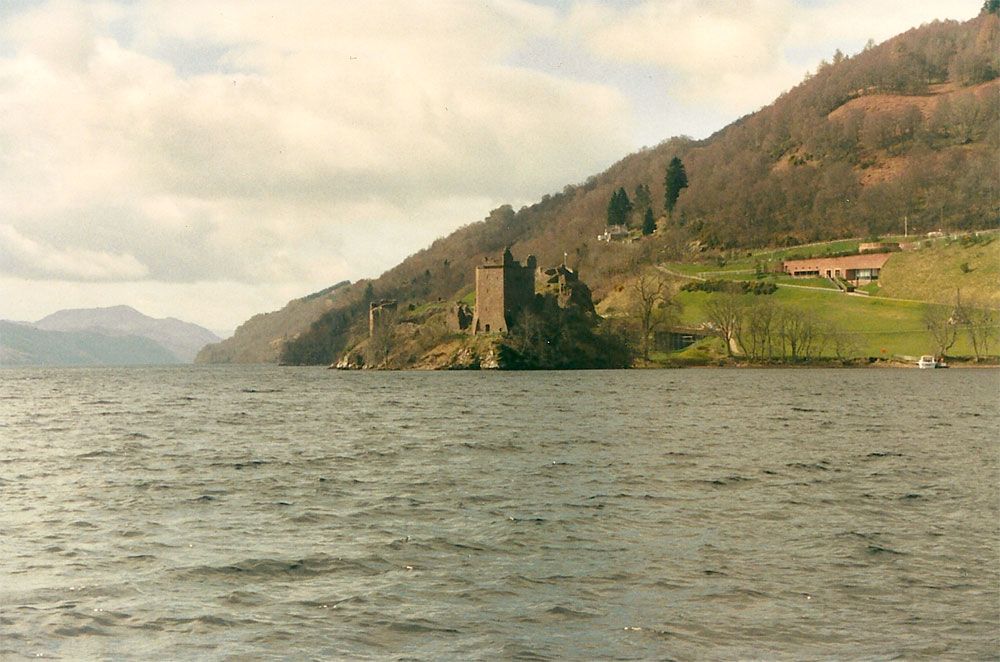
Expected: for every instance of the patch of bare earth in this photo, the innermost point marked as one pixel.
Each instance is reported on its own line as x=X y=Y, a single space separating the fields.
x=896 y=103
x=885 y=167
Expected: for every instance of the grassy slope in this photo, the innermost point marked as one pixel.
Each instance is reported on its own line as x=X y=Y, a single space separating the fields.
x=882 y=326
x=879 y=327
x=935 y=273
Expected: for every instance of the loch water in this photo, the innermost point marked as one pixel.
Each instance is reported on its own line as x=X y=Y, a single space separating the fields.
x=212 y=513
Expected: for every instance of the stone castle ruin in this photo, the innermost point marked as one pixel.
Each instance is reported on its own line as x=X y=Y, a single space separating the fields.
x=503 y=290
x=568 y=289
x=379 y=313
x=506 y=288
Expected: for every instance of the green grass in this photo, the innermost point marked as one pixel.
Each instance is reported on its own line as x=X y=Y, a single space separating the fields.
x=938 y=272
x=878 y=327
x=688 y=268
x=822 y=283
x=812 y=250
x=871 y=289
x=781 y=279
x=707 y=351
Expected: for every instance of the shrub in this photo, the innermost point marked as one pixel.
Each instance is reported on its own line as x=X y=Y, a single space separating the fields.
x=734 y=286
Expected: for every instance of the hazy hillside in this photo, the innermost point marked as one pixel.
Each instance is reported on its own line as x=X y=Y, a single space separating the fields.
x=906 y=129
x=181 y=339
x=260 y=339
x=23 y=345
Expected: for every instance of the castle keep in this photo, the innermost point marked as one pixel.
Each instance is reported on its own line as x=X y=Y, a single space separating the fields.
x=503 y=290
x=379 y=313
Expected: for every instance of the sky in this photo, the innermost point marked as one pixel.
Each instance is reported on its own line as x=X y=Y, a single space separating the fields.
x=212 y=160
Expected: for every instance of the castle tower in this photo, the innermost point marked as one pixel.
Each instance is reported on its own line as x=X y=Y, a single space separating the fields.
x=378 y=313
x=503 y=290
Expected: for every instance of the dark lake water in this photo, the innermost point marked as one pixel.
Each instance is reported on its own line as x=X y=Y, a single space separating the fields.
x=289 y=513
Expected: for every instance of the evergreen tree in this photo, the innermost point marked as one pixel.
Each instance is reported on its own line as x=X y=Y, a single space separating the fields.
x=613 y=206
x=619 y=208
x=991 y=7
x=676 y=179
x=648 y=222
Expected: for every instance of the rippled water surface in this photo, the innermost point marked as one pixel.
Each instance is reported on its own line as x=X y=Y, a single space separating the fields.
x=264 y=512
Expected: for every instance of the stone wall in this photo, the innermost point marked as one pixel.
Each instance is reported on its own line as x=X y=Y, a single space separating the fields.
x=503 y=290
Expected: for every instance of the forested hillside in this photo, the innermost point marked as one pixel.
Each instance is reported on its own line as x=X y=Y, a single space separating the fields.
x=908 y=129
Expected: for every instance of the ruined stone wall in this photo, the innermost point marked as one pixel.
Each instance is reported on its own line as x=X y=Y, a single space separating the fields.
x=490 y=304
x=460 y=317
x=503 y=290
x=519 y=288
x=379 y=312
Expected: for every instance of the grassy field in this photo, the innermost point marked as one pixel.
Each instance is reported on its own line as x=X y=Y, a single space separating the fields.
x=810 y=250
x=938 y=271
x=876 y=327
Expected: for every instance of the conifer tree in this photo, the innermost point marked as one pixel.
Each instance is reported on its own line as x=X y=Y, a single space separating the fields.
x=648 y=223
x=676 y=179
x=619 y=208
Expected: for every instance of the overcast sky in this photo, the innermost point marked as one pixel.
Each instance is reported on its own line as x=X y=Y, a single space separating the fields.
x=211 y=160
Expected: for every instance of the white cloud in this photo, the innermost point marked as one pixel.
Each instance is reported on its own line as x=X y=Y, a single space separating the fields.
x=24 y=255
x=741 y=55
x=721 y=52
x=310 y=133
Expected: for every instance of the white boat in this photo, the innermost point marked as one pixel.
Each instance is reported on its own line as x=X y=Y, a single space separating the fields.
x=926 y=361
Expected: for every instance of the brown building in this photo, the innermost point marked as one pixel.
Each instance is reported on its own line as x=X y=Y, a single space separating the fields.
x=855 y=268
x=503 y=290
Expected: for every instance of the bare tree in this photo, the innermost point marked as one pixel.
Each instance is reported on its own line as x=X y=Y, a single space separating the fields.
x=800 y=334
x=942 y=323
x=725 y=313
x=653 y=307
x=756 y=333
x=846 y=345
x=982 y=325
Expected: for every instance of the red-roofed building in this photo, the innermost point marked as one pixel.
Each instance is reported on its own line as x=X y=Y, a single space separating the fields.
x=854 y=268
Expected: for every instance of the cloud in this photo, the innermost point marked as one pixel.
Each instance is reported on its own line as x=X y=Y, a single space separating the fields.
x=24 y=256
x=249 y=142
x=719 y=51
x=740 y=55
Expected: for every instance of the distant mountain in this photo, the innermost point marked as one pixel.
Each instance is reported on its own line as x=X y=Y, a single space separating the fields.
x=903 y=132
x=23 y=345
x=181 y=340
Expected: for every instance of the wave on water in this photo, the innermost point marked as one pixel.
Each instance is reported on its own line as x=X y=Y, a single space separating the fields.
x=264 y=513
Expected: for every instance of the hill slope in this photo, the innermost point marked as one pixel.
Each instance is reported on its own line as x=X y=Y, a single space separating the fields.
x=907 y=129
x=261 y=338
x=181 y=339
x=939 y=271
x=23 y=345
